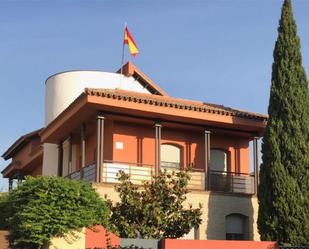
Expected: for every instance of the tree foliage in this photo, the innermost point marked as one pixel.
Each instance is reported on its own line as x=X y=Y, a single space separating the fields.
x=284 y=175
x=5 y=210
x=44 y=207
x=155 y=209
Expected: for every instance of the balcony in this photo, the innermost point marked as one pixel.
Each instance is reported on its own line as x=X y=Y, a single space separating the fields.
x=231 y=182
x=219 y=181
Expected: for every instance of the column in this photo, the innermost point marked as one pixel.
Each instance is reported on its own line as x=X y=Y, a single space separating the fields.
x=237 y=161
x=188 y=155
x=60 y=159
x=256 y=162
x=70 y=168
x=157 y=148
x=100 y=146
x=83 y=150
x=19 y=179
x=207 y=159
x=10 y=184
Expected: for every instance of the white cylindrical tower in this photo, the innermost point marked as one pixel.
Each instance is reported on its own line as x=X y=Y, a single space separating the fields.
x=63 y=88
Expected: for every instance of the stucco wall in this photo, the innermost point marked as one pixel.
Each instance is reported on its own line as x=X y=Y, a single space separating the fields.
x=73 y=240
x=215 y=208
x=138 y=145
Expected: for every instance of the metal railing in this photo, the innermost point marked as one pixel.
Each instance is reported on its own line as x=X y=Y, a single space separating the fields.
x=219 y=181
x=231 y=182
x=169 y=165
x=197 y=180
x=138 y=173
x=87 y=174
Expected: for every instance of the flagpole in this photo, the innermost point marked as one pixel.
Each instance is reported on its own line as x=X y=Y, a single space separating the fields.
x=122 y=57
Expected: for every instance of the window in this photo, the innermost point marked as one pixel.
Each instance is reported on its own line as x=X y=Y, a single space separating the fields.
x=236 y=226
x=170 y=156
x=219 y=179
x=218 y=160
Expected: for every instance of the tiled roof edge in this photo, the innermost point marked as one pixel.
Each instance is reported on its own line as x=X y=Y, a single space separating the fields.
x=172 y=103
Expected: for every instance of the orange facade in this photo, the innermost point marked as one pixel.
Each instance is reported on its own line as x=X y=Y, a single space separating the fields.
x=139 y=145
x=27 y=156
x=216 y=244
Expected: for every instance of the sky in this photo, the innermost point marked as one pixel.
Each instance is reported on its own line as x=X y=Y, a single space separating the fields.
x=217 y=51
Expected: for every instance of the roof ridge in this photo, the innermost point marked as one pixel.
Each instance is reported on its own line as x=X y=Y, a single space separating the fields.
x=130 y=69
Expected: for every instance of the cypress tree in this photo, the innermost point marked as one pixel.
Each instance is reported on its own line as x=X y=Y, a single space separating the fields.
x=284 y=174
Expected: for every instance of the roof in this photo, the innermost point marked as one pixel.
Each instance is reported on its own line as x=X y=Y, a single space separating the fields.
x=147 y=106
x=174 y=103
x=130 y=70
x=8 y=170
x=19 y=143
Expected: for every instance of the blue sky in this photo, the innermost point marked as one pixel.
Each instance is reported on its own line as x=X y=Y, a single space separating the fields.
x=218 y=51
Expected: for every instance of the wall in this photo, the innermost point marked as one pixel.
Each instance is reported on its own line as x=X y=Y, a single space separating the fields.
x=137 y=145
x=4 y=239
x=37 y=171
x=99 y=237
x=29 y=157
x=215 y=209
x=86 y=238
x=215 y=244
x=73 y=240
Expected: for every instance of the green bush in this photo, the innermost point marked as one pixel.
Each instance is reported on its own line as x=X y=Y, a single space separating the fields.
x=155 y=209
x=5 y=211
x=51 y=206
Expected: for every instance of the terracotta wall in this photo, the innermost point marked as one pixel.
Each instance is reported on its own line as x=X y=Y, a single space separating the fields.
x=216 y=244
x=23 y=155
x=37 y=171
x=135 y=143
x=139 y=145
x=99 y=237
x=28 y=158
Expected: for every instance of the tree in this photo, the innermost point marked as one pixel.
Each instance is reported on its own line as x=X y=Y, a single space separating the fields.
x=44 y=207
x=155 y=209
x=284 y=175
x=4 y=211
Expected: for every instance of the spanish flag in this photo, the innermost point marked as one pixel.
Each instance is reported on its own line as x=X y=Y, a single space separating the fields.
x=128 y=39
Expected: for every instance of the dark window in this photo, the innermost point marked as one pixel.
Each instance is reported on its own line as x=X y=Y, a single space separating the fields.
x=235 y=236
x=236 y=227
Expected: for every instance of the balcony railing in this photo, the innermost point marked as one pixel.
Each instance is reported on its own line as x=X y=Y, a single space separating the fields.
x=231 y=182
x=137 y=172
x=219 y=181
x=87 y=174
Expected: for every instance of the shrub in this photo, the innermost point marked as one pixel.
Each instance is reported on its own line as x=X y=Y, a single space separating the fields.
x=52 y=206
x=5 y=211
x=155 y=209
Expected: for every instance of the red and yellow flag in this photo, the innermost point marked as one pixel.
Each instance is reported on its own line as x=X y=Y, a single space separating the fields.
x=128 y=39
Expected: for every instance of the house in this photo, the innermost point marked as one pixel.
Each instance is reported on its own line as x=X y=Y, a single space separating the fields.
x=27 y=157
x=97 y=123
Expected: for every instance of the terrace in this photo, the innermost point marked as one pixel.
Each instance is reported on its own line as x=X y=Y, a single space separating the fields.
x=218 y=181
